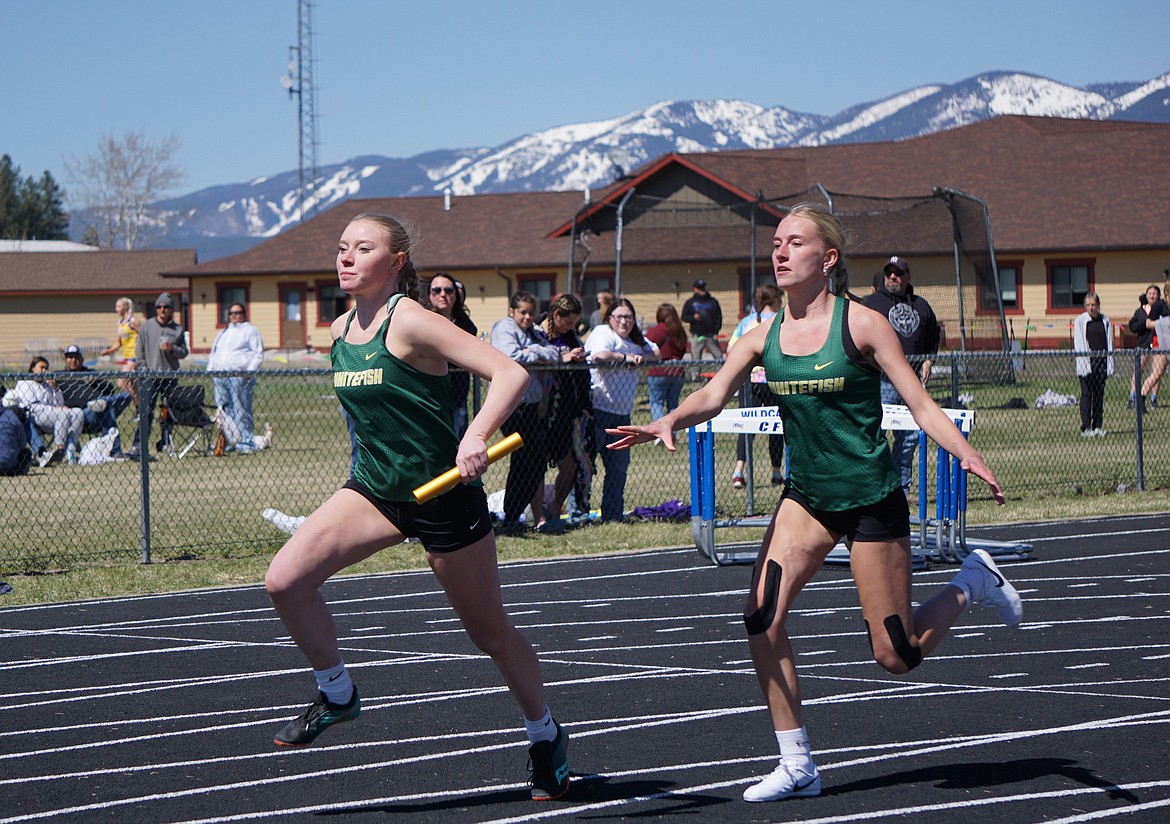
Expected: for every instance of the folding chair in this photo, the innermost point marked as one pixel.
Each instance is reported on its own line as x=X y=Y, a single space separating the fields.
x=185 y=408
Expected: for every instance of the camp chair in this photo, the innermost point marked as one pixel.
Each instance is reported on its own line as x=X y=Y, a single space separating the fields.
x=184 y=409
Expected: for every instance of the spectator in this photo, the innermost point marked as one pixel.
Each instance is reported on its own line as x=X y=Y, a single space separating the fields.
x=125 y=344
x=15 y=456
x=48 y=413
x=1145 y=341
x=705 y=317
x=605 y=299
x=514 y=337
x=447 y=299
x=569 y=405
x=620 y=341
x=666 y=382
x=161 y=345
x=237 y=348
x=914 y=322
x=100 y=402
x=1091 y=333
x=1157 y=321
x=768 y=301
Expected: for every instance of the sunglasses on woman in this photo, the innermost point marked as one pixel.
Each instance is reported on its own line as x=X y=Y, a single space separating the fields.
x=442 y=290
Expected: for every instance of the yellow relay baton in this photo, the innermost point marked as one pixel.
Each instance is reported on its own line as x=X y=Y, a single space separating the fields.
x=446 y=482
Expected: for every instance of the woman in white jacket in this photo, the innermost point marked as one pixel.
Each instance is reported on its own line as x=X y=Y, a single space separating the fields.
x=48 y=412
x=1091 y=333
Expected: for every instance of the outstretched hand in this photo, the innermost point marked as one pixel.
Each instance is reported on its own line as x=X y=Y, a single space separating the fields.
x=975 y=465
x=634 y=435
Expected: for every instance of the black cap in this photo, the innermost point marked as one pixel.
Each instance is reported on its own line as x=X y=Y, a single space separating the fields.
x=700 y=284
x=73 y=349
x=897 y=263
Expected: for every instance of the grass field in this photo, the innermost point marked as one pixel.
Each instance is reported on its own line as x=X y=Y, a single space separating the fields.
x=76 y=531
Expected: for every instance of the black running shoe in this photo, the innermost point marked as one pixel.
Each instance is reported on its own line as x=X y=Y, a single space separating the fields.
x=550 y=767
x=320 y=715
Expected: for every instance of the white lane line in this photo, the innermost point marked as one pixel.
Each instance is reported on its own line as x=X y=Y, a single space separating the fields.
x=914 y=750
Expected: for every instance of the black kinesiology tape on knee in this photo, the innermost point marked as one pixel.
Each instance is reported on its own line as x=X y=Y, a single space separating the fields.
x=911 y=655
x=762 y=618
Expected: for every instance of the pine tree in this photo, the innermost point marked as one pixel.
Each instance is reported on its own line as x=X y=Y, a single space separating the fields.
x=9 y=203
x=30 y=209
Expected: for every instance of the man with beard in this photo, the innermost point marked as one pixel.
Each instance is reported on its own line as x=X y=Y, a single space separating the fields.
x=917 y=329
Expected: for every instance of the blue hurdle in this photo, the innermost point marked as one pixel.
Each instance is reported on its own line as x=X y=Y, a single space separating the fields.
x=942 y=538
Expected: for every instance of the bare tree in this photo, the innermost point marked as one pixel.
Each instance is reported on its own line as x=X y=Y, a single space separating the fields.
x=113 y=188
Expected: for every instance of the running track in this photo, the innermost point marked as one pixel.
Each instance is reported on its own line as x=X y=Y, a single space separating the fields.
x=163 y=708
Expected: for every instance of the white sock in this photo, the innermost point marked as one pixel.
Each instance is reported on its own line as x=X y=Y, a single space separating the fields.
x=335 y=683
x=542 y=730
x=795 y=752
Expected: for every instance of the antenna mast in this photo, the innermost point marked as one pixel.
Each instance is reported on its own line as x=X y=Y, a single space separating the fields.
x=299 y=82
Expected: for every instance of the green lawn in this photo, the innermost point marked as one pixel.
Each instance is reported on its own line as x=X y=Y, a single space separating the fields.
x=75 y=531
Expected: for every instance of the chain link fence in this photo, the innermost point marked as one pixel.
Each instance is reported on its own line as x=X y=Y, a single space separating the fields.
x=191 y=502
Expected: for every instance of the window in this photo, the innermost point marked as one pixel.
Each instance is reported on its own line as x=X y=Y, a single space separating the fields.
x=1068 y=283
x=541 y=287
x=593 y=284
x=331 y=302
x=1010 y=281
x=747 y=294
x=225 y=296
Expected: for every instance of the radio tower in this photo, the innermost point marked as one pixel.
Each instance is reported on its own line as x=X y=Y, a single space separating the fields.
x=299 y=82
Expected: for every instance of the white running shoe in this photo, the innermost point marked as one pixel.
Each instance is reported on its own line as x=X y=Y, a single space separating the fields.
x=990 y=589
x=781 y=783
x=283 y=522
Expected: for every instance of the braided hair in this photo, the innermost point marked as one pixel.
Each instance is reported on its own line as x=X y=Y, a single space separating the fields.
x=562 y=305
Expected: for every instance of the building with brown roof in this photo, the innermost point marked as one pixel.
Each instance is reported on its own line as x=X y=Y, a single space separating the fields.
x=49 y=300
x=1074 y=206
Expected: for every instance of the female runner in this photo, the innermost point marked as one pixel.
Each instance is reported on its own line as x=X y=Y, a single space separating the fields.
x=823 y=356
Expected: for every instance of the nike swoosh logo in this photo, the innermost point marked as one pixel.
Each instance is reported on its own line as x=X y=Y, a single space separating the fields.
x=371 y=355
x=998 y=577
x=819 y=366
x=797 y=787
x=473 y=526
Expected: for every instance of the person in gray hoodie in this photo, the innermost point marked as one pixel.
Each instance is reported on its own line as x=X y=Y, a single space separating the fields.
x=516 y=337
x=161 y=345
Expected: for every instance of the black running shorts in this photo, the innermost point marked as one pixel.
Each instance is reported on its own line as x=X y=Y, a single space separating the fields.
x=449 y=522
x=886 y=520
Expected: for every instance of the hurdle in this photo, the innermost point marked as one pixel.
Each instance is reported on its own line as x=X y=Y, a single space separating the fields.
x=942 y=538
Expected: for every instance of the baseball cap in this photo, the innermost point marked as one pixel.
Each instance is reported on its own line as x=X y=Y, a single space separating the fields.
x=73 y=349
x=164 y=300
x=898 y=263
x=700 y=284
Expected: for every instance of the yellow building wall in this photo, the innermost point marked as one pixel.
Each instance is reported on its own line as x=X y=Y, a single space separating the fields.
x=1119 y=278
x=46 y=324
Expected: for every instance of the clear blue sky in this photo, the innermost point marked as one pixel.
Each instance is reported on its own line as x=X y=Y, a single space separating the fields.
x=399 y=78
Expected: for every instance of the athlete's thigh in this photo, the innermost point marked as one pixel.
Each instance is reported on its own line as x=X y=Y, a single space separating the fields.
x=345 y=529
x=798 y=543
x=881 y=570
x=470 y=578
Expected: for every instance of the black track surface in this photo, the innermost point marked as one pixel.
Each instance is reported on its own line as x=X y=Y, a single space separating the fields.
x=162 y=709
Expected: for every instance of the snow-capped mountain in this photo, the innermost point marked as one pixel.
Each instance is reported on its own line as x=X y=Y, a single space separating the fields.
x=226 y=219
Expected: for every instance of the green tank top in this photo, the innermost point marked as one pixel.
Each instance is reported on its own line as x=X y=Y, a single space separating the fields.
x=830 y=402
x=402 y=417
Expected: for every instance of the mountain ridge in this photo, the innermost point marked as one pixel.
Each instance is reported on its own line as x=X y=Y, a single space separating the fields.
x=229 y=218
